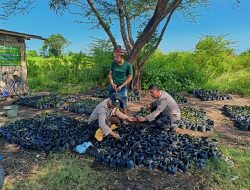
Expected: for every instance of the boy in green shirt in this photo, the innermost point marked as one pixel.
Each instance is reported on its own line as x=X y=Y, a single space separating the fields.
x=120 y=75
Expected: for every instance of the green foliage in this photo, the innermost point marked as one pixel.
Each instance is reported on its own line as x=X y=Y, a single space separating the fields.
x=32 y=53
x=72 y=73
x=214 y=54
x=173 y=72
x=213 y=65
x=54 y=45
x=102 y=53
x=68 y=74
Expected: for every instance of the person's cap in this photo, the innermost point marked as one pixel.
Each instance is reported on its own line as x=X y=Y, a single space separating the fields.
x=116 y=99
x=120 y=51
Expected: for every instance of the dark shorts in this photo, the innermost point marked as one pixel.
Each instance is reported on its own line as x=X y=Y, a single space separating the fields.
x=124 y=94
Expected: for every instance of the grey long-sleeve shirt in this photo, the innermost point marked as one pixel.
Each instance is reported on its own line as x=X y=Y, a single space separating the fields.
x=103 y=112
x=165 y=101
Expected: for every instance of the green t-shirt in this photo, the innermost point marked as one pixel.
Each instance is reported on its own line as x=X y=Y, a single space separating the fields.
x=121 y=73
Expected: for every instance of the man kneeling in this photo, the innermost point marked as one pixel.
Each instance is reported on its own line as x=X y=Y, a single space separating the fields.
x=165 y=112
x=107 y=113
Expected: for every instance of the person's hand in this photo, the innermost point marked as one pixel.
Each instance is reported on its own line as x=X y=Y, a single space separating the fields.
x=114 y=85
x=118 y=88
x=116 y=135
x=132 y=119
x=141 y=119
x=148 y=107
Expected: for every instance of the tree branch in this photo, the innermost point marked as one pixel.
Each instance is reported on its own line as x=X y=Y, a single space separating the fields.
x=14 y=7
x=160 y=37
x=102 y=22
x=128 y=21
x=161 y=11
x=122 y=25
x=149 y=29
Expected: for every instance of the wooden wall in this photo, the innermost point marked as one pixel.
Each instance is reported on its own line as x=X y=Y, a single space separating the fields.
x=22 y=69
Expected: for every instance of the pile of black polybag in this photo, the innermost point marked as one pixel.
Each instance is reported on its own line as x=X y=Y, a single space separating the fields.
x=139 y=144
x=211 y=95
x=45 y=101
x=240 y=114
x=154 y=149
x=47 y=133
x=195 y=119
x=180 y=99
x=85 y=106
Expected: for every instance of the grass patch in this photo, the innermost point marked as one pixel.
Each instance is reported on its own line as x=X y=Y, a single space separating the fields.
x=61 y=171
x=223 y=176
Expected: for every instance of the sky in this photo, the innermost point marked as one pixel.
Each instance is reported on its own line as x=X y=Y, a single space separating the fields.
x=222 y=17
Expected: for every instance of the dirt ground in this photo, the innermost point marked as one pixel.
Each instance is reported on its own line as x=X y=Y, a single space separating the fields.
x=20 y=163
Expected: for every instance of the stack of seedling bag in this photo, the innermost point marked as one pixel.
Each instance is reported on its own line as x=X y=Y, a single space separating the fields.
x=47 y=132
x=195 y=119
x=141 y=145
x=85 y=106
x=180 y=99
x=210 y=95
x=240 y=114
x=45 y=101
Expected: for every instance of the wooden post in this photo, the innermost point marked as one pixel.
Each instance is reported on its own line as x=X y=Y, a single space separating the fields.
x=24 y=66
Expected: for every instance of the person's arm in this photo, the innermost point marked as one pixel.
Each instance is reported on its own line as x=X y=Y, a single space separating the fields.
x=111 y=80
x=126 y=82
x=123 y=116
x=159 y=109
x=106 y=129
x=111 y=77
x=102 y=123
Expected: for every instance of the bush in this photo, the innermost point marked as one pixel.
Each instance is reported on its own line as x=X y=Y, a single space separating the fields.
x=65 y=74
x=213 y=65
x=173 y=72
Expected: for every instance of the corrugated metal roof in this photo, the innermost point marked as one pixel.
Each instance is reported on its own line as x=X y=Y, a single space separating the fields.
x=22 y=35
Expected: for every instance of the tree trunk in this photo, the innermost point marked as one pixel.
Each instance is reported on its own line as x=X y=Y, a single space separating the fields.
x=137 y=80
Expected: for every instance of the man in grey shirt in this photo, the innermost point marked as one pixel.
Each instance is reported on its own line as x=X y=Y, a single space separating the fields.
x=107 y=113
x=164 y=110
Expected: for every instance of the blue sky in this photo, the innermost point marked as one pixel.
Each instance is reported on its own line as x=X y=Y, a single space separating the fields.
x=222 y=17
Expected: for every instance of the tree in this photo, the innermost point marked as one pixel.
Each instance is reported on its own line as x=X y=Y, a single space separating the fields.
x=54 y=45
x=103 y=55
x=150 y=17
x=213 y=45
x=247 y=52
x=214 y=54
x=32 y=53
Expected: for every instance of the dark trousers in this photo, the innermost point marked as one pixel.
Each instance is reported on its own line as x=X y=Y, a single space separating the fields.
x=164 y=120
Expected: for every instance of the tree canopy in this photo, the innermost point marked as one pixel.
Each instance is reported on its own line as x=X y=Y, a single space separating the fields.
x=54 y=45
